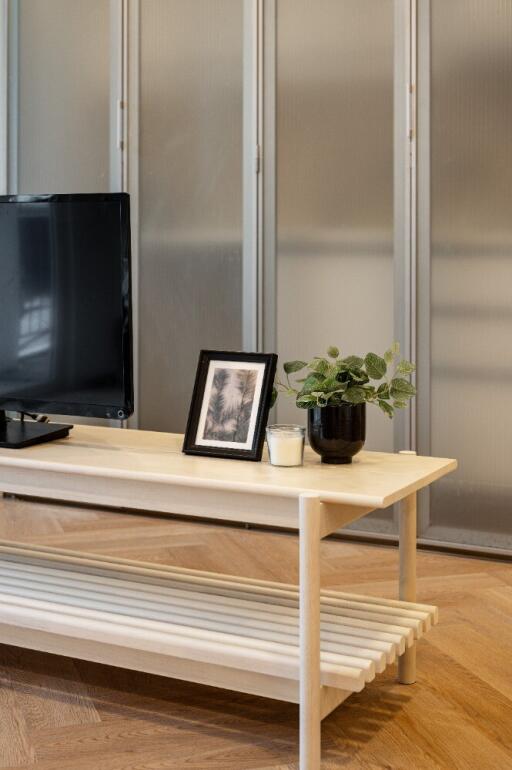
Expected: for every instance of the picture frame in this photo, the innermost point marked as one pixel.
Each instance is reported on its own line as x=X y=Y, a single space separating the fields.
x=230 y=404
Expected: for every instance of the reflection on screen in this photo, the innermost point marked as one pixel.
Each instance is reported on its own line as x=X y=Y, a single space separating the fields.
x=61 y=302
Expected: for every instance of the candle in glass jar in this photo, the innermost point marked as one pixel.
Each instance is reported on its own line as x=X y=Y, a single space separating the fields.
x=285 y=444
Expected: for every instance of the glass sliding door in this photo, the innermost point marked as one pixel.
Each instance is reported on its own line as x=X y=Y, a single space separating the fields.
x=60 y=93
x=334 y=177
x=191 y=126
x=335 y=183
x=466 y=305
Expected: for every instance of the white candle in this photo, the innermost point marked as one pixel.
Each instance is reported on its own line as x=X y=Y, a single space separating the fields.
x=285 y=444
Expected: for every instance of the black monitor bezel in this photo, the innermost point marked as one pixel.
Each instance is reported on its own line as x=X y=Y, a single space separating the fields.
x=110 y=411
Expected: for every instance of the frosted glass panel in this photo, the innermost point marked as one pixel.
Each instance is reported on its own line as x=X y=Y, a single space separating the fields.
x=471 y=252
x=191 y=196
x=63 y=96
x=335 y=184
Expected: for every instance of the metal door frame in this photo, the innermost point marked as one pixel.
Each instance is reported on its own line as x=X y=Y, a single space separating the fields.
x=4 y=69
x=8 y=94
x=422 y=33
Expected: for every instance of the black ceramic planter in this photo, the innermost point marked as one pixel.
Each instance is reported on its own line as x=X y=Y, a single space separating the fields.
x=337 y=433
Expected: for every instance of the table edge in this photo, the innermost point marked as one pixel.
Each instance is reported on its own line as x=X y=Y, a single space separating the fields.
x=242 y=487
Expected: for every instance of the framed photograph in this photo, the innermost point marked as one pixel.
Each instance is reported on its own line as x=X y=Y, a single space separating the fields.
x=230 y=404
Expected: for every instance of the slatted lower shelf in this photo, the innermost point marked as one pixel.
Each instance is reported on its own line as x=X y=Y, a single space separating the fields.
x=215 y=629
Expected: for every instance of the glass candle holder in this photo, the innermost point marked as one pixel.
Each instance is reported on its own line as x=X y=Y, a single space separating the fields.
x=286 y=445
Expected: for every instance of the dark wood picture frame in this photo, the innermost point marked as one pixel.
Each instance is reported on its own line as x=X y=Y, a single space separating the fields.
x=199 y=412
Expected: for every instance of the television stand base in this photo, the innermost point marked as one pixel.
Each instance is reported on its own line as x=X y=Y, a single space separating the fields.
x=17 y=434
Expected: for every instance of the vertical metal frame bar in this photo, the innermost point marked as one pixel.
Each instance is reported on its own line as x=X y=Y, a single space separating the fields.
x=116 y=95
x=12 y=84
x=124 y=95
x=404 y=202
x=118 y=99
x=268 y=208
x=4 y=91
x=405 y=135
x=255 y=148
x=413 y=253
x=251 y=172
x=423 y=278
x=131 y=58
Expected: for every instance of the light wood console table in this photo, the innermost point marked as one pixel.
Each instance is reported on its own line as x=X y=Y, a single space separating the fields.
x=297 y=644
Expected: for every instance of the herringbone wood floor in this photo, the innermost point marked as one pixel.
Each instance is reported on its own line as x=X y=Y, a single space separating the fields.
x=59 y=713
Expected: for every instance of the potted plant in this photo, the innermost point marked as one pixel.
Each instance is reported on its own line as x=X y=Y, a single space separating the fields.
x=335 y=392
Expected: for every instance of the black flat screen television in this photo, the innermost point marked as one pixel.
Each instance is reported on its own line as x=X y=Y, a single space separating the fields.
x=65 y=305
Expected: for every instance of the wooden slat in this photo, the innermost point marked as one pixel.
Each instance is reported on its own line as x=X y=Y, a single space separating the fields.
x=256 y=611
x=170 y=613
x=372 y=618
x=210 y=619
x=357 y=638
x=211 y=648
x=209 y=581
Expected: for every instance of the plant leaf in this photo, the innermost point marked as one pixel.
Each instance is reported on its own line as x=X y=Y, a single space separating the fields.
x=375 y=366
x=353 y=362
x=386 y=408
x=320 y=398
x=405 y=367
x=359 y=376
x=401 y=389
x=320 y=365
x=333 y=352
x=315 y=377
x=383 y=391
x=392 y=352
x=331 y=384
x=305 y=401
x=312 y=382
x=293 y=366
x=354 y=395
x=274 y=396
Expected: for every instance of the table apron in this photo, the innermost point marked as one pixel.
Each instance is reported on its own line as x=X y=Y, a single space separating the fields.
x=182 y=499
x=219 y=504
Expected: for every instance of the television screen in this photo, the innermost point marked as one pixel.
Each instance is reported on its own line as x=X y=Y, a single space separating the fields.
x=65 y=305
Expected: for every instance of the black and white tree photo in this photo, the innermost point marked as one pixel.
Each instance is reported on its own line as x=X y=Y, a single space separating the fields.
x=230 y=405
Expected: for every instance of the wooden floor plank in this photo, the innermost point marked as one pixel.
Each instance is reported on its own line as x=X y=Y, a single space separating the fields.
x=56 y=698
x=59 y=714
x=16 y=749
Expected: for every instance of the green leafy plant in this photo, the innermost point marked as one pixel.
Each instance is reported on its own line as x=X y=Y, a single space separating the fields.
x=332 y=381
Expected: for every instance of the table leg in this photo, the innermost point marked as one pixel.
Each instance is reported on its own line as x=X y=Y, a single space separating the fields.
x=309 y=557
x=407 y=591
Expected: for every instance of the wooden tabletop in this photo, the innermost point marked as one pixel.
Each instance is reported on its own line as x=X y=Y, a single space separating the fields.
x=375 y=479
